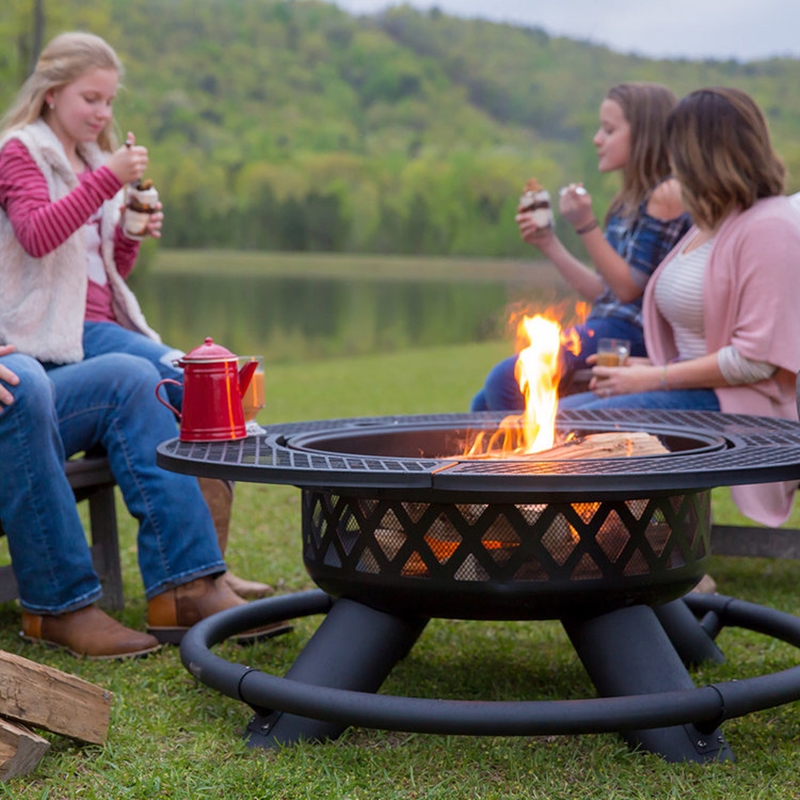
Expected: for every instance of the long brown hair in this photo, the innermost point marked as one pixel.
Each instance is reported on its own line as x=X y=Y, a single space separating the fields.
x=720 y=148
x=62 y=61
x=646 y=107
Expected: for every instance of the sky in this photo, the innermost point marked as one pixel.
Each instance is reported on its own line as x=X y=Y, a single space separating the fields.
x=745 y=30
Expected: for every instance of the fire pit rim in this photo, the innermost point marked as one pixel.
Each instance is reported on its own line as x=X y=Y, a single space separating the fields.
x=759 y=450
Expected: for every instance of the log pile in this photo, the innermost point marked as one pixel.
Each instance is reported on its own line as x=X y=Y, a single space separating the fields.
x=35 y=696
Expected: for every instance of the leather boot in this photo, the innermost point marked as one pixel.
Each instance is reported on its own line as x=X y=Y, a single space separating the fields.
x=218 y=495
x=171 y=613
x=88 y=632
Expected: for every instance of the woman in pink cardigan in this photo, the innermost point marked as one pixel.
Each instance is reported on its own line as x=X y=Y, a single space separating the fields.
x=722 y=311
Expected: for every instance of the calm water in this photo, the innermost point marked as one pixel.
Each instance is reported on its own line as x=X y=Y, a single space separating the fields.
x=291 y=318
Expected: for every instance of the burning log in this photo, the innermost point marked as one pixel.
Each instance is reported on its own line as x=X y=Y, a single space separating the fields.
x=614 y=444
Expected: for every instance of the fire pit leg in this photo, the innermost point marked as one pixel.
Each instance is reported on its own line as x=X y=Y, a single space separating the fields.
x=627 y=652
x=688 y=636
x=355 y=647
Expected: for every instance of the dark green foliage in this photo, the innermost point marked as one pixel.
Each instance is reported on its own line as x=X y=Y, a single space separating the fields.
x=288 y=124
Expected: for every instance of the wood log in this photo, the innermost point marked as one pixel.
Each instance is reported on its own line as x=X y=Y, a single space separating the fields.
x=613 y=444
x=44 y=697
x=21 y=750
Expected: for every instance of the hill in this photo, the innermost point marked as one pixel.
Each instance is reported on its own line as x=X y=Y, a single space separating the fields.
x=289 y=124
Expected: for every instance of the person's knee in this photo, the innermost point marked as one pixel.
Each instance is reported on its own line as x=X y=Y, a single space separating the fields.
x=34 y=392
x=130 y=373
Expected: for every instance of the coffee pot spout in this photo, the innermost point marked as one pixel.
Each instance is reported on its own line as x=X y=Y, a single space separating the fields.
x=246 y=375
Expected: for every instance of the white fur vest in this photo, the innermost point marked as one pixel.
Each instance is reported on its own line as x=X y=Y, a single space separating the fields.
x=43 y=300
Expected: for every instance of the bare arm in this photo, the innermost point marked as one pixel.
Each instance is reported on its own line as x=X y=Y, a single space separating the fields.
x=696 y=373
x=582 y=279
x=664 y=204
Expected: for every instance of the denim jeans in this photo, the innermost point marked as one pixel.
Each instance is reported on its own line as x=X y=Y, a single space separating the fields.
x=107 y=401
x=683 y=399
x=501 y=391
x=101 y=338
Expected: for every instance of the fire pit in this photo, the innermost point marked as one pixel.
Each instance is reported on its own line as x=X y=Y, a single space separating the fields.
x=399 y=527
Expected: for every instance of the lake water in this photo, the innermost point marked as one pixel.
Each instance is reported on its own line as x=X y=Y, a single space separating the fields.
x=290 y=318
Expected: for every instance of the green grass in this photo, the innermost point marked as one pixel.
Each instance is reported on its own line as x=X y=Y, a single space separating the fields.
x=171 y=737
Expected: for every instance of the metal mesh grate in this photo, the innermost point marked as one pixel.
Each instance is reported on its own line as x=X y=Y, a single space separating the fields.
x=731 y=449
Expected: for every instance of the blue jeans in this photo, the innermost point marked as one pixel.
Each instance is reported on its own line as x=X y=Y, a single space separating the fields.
x=101 y=338
x=107 y=401
x=501 y=391
x=683 y=399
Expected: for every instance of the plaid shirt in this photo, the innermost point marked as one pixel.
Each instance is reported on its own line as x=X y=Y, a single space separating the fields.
x=643 y=241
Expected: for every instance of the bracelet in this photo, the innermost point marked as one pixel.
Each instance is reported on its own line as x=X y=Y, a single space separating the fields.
x=664 y=384
x=587 y=228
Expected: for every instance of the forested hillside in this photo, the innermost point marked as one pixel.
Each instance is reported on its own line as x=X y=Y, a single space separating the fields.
x=289 y=124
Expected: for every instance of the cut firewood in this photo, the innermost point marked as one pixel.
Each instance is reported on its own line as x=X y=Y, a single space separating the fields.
x=21 y=750
x=614 y=444
x=56 y=701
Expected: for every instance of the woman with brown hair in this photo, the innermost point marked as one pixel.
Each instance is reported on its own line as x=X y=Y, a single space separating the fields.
x=643 y=223
x=721 y=318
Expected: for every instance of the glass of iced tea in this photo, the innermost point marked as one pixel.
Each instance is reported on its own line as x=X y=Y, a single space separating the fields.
x=253 y=398
x=612 y=352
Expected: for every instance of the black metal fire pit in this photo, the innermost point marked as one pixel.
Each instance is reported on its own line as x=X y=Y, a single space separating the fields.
x=399 y=527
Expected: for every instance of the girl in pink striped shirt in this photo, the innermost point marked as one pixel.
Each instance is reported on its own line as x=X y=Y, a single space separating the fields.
x=64 y=256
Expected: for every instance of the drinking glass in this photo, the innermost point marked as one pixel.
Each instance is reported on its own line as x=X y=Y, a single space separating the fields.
x=253 y=398
x=612 y=352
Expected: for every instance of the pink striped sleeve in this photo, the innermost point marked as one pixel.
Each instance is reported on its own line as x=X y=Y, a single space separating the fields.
x=39 y=224
x=125 y=252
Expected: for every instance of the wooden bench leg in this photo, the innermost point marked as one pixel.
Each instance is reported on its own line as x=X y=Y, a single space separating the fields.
x=105 y=547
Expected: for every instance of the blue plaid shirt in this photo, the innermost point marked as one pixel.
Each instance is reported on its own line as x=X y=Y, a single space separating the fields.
x=643 y=241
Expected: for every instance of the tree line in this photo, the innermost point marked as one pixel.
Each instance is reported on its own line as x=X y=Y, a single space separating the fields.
x=291 y=125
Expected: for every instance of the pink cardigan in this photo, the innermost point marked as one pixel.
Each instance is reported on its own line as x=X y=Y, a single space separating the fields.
x=751 y=298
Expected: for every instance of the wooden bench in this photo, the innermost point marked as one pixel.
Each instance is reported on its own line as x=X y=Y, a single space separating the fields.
x=755 y=541
x=91 y=479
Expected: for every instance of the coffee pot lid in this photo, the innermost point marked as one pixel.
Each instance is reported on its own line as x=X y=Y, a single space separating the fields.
x=209 y=351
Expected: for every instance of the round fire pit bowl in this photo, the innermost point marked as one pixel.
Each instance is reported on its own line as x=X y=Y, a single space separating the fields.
x=395 y=516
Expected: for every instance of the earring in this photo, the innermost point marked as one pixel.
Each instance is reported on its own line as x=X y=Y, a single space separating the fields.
x=51 y=106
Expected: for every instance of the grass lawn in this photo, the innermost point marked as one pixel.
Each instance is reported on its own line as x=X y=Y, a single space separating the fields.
x=171 y=737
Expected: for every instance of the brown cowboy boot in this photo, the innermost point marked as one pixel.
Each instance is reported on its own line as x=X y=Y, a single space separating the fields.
x=88 y=632
x=218 y=495
x=171 y=613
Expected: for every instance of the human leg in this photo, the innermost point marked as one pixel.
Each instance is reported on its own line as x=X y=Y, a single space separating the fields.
x=501 y=390
x=46 y=540
x=683 y=399
x=50 y=556
x=219 y=498
x=110 y=400
x=103 y=338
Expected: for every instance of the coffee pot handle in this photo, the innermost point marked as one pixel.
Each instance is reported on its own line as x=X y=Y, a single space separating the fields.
x=166 y=402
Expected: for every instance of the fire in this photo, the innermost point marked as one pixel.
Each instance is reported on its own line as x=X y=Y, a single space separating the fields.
x=537 y=371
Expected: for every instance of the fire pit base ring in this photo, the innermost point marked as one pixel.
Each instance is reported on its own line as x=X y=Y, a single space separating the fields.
x=331 y=685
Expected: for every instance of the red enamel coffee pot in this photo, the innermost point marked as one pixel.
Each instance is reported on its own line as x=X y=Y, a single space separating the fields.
x=212 y=394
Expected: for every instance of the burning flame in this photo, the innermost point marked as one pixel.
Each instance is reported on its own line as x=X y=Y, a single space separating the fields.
x=538 y=371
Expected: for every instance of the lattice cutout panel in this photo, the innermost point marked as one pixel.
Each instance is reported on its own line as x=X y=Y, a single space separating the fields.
x=609 y=541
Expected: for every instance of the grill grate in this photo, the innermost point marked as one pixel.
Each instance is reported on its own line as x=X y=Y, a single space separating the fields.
x=730 y=449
